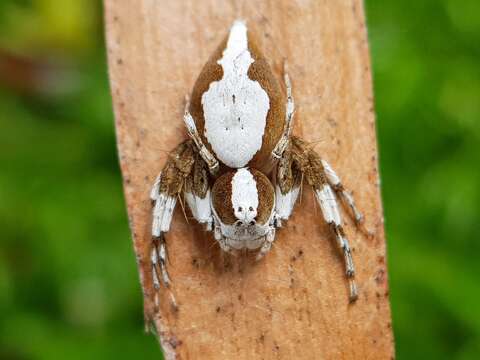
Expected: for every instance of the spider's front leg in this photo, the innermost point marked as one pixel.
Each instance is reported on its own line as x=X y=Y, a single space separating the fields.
x=287 y=189
x=206 y=155
x=289 y=112
x=185 y=171
x=267 y=245
x=322 y=178
x=287 y=186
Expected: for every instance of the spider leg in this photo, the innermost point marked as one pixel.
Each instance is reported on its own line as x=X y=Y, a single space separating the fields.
x=158 y=259
x=197 y=193
x=331 y=214
x=334 y=180
x=206 y=155
x=289 y=111
x=221 y=240
x=178 y=170
x=310 y=164
x=267 y=245
x=287 y=189
x=159 y=262
x=287 y=186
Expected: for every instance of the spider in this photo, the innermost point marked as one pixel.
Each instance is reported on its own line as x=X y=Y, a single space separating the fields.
x=241 y=169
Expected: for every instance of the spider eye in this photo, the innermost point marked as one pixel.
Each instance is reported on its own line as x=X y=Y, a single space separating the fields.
x=252 y=222
x=240 y=209
x=250 y=208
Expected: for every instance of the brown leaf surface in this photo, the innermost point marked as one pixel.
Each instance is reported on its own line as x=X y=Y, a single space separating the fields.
x=294 y=303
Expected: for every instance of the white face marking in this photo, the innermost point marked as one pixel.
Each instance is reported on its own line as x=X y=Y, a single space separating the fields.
x=244 y=196
x=240 y=237
x=235 y=108
x=245 y=206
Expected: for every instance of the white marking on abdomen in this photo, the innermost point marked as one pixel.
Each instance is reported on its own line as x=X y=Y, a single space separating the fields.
x=235 y=108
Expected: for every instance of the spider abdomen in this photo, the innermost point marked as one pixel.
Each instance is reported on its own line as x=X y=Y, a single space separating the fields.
x=237 y=104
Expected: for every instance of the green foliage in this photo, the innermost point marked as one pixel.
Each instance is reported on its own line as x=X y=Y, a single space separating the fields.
x=69 y=286
x=427 y=86
x=68 y=281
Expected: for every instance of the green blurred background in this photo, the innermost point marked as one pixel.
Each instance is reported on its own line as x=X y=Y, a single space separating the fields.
x=68 y=281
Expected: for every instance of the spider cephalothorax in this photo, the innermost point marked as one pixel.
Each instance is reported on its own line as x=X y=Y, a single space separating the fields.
x=241 y=169
x=243 y=209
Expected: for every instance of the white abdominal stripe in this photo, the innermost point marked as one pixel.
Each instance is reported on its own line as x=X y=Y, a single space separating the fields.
x=235 y=108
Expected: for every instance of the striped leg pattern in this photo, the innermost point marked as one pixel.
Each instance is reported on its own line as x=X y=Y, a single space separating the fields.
x=185 y=171
x=326 y=183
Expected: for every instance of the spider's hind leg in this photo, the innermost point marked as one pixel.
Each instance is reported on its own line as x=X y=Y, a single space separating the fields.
x=168 y=185
x=334 y=180
x=318 y=176
x=331 y=214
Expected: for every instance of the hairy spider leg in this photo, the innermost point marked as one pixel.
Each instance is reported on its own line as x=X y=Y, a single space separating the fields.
x=317 y=175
